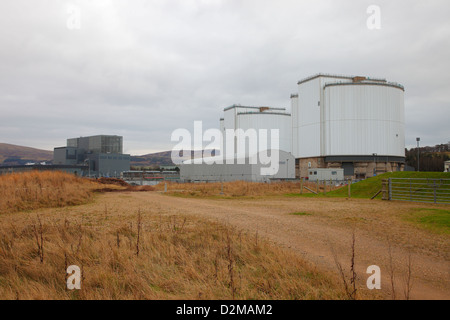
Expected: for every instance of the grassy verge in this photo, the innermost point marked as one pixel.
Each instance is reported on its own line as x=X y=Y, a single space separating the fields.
x=434 y=220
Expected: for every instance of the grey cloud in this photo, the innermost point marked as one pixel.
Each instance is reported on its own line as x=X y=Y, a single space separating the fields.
x=144 y=68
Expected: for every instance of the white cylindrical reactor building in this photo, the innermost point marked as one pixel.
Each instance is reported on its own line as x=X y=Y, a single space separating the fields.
x=248 y=120
x=361 y=119
x=355 y=123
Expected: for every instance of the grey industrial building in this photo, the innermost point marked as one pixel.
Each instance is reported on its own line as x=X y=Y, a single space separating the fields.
x=217 y=172
x=102 y=154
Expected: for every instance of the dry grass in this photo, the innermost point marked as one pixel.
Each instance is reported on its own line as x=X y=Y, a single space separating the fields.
x=126 y=251
x=239 y=189
x=33 y=190
x=145 y=255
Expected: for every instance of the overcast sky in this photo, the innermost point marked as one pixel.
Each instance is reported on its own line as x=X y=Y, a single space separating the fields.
x=142 y=69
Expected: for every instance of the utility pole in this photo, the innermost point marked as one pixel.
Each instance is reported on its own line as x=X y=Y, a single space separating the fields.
x=418 y=154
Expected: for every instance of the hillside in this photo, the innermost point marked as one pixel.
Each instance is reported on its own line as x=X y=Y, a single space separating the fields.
x=17 y=155
x=153 y=159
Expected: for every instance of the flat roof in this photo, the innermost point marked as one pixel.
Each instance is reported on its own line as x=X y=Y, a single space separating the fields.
x=386 y=84
x=346 y=77
x=252 y=107
x=266 y=113
x=98 y=135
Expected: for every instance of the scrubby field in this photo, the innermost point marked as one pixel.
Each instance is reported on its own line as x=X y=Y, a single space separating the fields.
x=203 y=245
x=133 y=249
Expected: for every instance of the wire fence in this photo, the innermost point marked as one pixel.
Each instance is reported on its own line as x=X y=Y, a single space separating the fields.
x=417 y=190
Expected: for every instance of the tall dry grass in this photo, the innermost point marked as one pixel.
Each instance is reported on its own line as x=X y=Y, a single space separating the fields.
x=142 y=255
x=239 y=188
x=33 y=190
x=126 y=251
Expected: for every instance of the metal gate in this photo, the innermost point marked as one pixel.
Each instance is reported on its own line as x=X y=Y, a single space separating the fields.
x=418 y=190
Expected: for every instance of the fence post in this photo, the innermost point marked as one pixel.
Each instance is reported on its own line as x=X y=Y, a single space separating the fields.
x=410 y=189
x=301 y=185
x=324 y=187
x=434 y=190
x=390 y=189
x=350 y=188
x=165 y=186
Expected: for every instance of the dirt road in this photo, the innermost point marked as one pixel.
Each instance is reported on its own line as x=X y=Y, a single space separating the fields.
x=329 y=223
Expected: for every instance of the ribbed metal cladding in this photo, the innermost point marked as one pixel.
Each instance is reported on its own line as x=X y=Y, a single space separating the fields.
x=344 y=115
x=245 y=118
x=363 y=120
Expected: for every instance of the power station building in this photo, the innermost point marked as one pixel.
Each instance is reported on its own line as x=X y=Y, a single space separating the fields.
x=252 y=127
x=336 y=122
x=257 y=118
x=354 y=123
x=102 y=155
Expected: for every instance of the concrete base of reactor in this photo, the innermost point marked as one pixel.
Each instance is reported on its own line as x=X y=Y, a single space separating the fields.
x=354 y=167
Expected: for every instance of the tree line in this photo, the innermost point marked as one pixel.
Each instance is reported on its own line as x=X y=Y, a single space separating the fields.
x=430 y=158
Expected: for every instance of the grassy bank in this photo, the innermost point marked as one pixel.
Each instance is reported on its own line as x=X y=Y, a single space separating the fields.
x=367 y=188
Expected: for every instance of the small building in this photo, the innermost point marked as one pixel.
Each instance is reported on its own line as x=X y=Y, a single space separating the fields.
x=447 y=166
x=320 y=174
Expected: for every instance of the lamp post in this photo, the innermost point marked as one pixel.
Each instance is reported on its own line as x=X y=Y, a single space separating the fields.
x=418 y=154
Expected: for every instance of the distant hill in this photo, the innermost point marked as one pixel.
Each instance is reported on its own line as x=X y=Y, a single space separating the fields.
x=17 y=155
x=153 y=159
